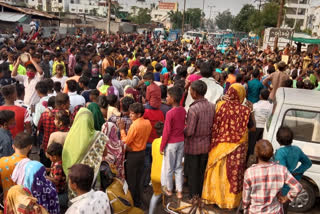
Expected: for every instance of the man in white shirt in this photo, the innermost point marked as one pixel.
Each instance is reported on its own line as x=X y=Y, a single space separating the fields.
x=42 y=91
x=87 y=200
x=75 y=99
x=262 y=111
x=34 y=75
x=214 y=92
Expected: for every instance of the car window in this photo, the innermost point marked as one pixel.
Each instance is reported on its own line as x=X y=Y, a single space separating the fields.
x=304 y=124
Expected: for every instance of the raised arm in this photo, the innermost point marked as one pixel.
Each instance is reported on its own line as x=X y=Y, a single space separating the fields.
x=38 y=68
x=15 y=68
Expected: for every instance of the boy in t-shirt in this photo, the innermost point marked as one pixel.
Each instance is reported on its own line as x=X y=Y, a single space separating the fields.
x=7 y=121
x=290 y=156
x=57 y=176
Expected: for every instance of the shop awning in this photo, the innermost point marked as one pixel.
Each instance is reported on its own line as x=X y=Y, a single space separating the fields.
x=306 y=40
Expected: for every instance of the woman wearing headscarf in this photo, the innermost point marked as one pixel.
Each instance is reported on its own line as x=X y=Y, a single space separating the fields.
x=32 y=176
x=115 y=154
x=19 y=200
x=97 y=116
x=83 y=143
x=227 y=158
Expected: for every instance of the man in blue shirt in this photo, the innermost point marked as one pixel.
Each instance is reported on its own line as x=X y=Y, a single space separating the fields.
x=7 y=122
x=254 y=87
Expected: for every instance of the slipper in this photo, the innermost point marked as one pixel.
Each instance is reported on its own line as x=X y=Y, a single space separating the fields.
x=167 y=192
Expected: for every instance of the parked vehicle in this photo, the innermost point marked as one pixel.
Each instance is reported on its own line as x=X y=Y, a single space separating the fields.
x=192 y=35
x=299 y=109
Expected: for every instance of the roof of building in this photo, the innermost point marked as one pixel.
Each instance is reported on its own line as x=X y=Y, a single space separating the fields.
x=12 y=17
x=29 y=11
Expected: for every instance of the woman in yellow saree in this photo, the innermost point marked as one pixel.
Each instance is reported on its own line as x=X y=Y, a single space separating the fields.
x=227 y=158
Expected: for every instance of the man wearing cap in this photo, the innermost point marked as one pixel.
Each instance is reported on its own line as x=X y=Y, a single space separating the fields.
x=277 y=79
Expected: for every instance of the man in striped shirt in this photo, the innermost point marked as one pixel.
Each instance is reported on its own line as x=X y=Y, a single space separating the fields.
x=263 y=183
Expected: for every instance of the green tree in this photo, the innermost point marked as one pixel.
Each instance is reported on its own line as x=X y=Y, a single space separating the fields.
x=240 y=21
x=224 y=20
x=193 y=17
x=175 y=19
x=143 y=16
x=265 y=18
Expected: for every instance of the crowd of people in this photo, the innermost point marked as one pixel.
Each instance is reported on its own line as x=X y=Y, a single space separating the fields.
x=111 y=115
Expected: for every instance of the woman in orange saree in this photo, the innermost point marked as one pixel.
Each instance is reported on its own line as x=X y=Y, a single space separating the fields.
x=227 y=158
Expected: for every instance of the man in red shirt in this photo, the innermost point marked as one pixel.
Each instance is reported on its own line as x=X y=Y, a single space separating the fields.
x=46 y=124
x=22 y=117
x=153 y=95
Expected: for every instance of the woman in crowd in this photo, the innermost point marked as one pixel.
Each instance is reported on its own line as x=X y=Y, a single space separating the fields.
x=227 y=158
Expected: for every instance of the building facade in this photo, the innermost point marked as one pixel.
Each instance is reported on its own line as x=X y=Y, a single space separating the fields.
x=297 y=13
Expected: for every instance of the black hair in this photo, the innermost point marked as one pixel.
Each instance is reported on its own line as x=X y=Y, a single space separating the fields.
x=8 y=90
x=112 y=99
x=61 y=99
x=55 y=149
x=95 y=92
x=42 y=87
x=31 y=67
x=124 y=71
x=163 y=89
x=82 y=175
x=107 y=78
x=205 y=70
x=134 y=70
x=137 y=108
x=159 y=128
x=126 y=103
x=158 y=67
x=285 y=136
x=256 y=73
x=20 y=89
x=84 y=80
x=231 y=69
x=287 y=83
x=23 y=140
x=110 y=70
x=199 y=87
x=63 y=116
x=300 y=84
x=102 y=102
x=148 y=76
x=176 y=93
x=72 y=85
x=78 y=70
x=57 y=86
x=49 y=83
x=239 y=78
x=6 y=116
x=51 y=102
x=264 y=93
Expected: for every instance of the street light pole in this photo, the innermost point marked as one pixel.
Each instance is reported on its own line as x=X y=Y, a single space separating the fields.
x=203 y=12
x=183 y=17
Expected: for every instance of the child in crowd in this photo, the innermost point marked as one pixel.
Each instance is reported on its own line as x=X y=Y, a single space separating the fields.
x=57 y=87
x=51 y=103
x=198 y=134
x=153 y=94
x=93 y=96
x=267 y=199
x=107 y=82
x=84 y=85
x=112 y=109
x=62 y=122
x=172 y=143
x=290 y=157
x=7 y=122
x=103 y=104
x=42 y=91
x=57 y=176
x=156 y=168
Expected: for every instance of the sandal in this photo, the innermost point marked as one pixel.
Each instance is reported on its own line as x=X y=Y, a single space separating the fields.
x=167 y=192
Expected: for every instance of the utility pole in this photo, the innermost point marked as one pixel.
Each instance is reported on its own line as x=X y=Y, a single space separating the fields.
x=183 y=16
x=202 y=12
x=109 y=16
x=280 y=14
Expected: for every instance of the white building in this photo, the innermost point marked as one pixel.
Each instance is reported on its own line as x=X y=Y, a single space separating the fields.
x=314 y=20
x=297 y=11
x=93 y=7
x=160 y=13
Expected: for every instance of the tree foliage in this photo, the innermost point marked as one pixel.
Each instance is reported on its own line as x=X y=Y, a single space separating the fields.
x=143 y=16
x=224 y=20
x=193 y=17
x=240 y=21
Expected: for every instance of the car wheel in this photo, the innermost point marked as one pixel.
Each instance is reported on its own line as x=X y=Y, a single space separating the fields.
x=306 y=198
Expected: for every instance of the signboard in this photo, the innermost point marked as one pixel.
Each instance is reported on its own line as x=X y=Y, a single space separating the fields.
x=167 y=6
x=281 y=33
